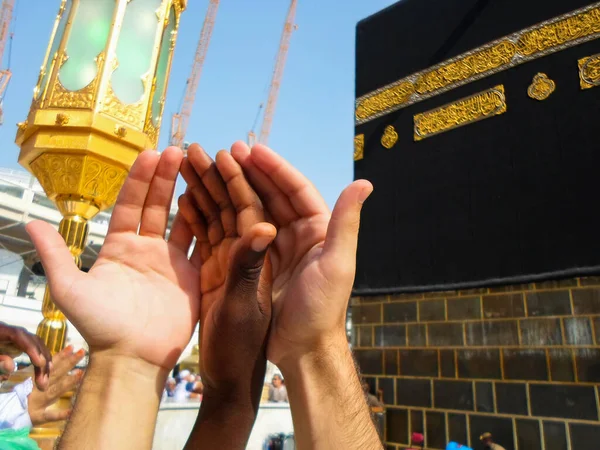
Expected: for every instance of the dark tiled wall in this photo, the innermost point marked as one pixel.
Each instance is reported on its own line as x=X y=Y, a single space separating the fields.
x=522 y=362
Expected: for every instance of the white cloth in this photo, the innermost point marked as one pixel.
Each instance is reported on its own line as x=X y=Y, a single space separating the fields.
x=181 y=394
x=13 y=407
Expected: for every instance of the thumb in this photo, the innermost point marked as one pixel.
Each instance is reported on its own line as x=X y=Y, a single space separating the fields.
x=247 y=261
x=7 y=365
x=59 y=266
x=342 y=231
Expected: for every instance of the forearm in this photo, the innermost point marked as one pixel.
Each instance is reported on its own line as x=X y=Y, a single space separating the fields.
x=116 y=406
x=222 y=424
x=328 y=405
x=226 y=418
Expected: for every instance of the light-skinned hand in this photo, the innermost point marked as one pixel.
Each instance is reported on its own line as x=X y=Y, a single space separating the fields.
x=140 y=299
x=313 y=256
x=63 y=379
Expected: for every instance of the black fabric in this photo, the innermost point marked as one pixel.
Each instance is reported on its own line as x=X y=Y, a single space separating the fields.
x=412 y=35
x=508 y=199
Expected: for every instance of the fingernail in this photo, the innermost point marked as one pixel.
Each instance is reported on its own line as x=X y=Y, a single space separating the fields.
x=364 y=194
x=259 y=244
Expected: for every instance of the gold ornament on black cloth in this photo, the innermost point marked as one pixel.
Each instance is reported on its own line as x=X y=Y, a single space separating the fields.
x=589 y=71
x=359 y=147
x=390 y=137
x=542 y=87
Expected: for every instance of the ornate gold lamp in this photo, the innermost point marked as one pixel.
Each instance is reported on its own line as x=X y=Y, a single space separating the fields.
x=98 y=103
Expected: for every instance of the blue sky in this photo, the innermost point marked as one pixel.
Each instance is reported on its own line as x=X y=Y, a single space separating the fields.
x=313 y=125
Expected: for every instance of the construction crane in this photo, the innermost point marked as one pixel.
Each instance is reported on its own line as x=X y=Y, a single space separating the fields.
x=284 y=47
x=6 y=13
x=181 y=119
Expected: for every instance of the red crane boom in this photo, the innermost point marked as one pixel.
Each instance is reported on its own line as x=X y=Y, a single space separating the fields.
x=6 y=12
x=284 y=47
x=181 y=119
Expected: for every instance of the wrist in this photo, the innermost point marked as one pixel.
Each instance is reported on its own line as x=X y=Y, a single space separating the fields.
x=122 y=372
x=318 y=356
x=119 y=393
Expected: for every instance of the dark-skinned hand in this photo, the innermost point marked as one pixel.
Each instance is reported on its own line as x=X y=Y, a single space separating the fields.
x=24 y=341
x=228 y=222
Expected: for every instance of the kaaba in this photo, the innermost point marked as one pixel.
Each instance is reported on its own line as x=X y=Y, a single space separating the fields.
x=477 y=121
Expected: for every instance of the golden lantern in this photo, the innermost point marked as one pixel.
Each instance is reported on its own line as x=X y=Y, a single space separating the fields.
x=98 y=103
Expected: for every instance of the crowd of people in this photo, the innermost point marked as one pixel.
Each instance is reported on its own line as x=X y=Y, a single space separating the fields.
x=185 y=385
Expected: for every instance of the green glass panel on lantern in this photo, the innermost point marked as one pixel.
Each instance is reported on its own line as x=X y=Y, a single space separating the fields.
x=163 y=66
x=87 y=39
x=135 y=49
x=60 y=30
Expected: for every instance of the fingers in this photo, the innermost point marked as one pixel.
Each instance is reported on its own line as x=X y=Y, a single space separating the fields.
x=342 y=232
x=56 y=415
x=38 y=354
x=65 y=361
x=61 y=270
x=245 y=201
x=247 y=260
x=211 y=179
x=181 y=235
x=60 y=386
x=7 y=365
x=127 y=212
x=202 y=199
x=157 y=206
x=32 y=345
x=301 y=193
x=277 y=204
x=189 y=211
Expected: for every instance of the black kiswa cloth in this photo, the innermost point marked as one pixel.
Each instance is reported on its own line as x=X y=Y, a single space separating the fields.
x=509 y=199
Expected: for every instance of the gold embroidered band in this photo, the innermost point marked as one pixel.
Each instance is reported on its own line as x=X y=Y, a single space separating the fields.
x=462 y=112
x=589 y=71
x=548 y=37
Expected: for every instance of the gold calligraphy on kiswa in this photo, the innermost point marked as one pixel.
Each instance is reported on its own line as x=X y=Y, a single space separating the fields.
x=462 y=112
x=359 y=147
x=589 y=71
x=551 y=36
x=559 y=32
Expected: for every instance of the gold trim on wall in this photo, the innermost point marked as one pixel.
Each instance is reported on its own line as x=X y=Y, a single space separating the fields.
x=548 y=37
x=483 y=105
x=589 y=71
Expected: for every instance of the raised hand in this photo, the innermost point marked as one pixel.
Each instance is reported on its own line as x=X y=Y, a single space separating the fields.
x=141 y=297
x=228 y=222
x=63 y=379
x=137 y=307
x=313 y=256
x=314 y=261
x=23 y=341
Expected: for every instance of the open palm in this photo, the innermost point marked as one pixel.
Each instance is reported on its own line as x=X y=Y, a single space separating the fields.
x=141 y=297
x=313 y=256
